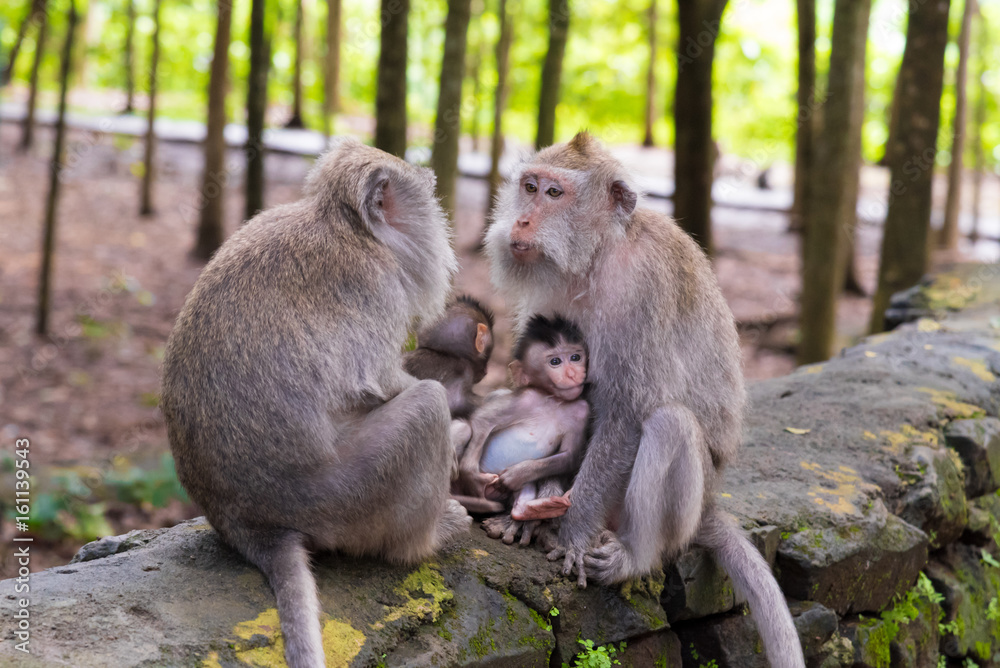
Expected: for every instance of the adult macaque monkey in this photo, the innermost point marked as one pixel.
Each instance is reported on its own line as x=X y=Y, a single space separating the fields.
x=523 y=442
x=289 y=414
x=455 y=350
x=666 y=379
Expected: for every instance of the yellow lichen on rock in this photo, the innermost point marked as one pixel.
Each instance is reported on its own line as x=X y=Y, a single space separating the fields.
x=977 y=367
x=953 y=408
x=849 y=487
x=341 y=642
x=908 y=435
x=426 y=580
x=928 y=325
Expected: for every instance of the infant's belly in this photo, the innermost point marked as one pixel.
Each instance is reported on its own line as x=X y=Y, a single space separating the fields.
x=510 y=447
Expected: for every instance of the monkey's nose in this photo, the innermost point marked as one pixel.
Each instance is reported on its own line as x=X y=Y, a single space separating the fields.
x=524 y=223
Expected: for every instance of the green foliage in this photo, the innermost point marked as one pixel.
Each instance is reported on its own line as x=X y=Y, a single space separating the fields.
x=989 y=560
x=596 y=657
x=155 y=487
x=74 y=503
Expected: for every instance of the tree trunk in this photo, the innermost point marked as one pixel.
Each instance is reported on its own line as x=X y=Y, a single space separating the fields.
x=806 y=97
x=499 y=99
x=296 y=121
x=694 y=151
x=647 y=140
x=475 y=70
x=390 y=96
x=331 y=70
x=953 y=203
x=211 y=227
x=833 y=187
x=129 y=56
x=146 y=207
x=35 y=8
x=892 y=125
x=852 y=284
x=448 y=123
x=256 y=109
x=548 y=95
x=28 y=129
x=55 y=170
x=911 y=156
x=977 y=127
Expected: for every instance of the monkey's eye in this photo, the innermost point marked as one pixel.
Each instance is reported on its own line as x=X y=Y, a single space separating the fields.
x=555 y=361
x=575 y=357
x=530 y=187
x=553 y=192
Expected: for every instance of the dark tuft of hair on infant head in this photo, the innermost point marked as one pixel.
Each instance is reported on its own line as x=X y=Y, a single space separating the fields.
x=548 y=331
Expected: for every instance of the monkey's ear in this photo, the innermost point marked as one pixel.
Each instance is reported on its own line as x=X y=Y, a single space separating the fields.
x=623 y=197
x=380 y=204
x=517 y=373
x=482 y=337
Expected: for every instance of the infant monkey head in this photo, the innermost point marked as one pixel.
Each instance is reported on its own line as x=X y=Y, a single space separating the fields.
x=551 y=356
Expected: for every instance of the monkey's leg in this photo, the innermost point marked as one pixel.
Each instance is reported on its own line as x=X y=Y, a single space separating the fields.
x=461 y=432
x=399 y=465
x=663 y=502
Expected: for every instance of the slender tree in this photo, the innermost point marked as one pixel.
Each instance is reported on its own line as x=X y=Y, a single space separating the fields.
x=952 y=206
x=390 y=96
x=650 y=77
x=211 y=229
x=912 y=154
x=331 y=65
x=146 y=207
x=548 y=94
x=499 y=98
x=55 y=171
x=977 y=126
x=448 y=123
x=834 y=187
x=296 y=121
x=256 y=109
x=694 y=150
x=34 y=11
x=475 y=70
x=129 y=57
x=28 y=129
x=806 y=98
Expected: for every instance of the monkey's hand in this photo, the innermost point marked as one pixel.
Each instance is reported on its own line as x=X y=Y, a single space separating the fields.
x=474 y=483
x=511 y=479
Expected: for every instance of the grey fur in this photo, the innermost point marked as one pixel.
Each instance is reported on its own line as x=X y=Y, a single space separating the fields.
x=290 y=417
x=665 y=370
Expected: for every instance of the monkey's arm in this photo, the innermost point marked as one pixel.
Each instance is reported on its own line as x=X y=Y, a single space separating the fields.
x=602 y=481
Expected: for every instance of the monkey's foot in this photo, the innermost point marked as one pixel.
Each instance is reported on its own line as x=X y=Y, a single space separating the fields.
x=542 y=509
x=506 y=529
x=454 y=521
x=609 y=562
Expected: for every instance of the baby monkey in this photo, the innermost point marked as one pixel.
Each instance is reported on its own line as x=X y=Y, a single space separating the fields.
x=525 y=442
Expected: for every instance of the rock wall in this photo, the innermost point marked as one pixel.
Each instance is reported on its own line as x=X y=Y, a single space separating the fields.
x=869 y=482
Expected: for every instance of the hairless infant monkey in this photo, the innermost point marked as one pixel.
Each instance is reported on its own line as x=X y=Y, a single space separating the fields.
x=523 y=442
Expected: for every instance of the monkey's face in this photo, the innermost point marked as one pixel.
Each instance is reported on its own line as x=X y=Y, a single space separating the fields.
x=540 y=223
x=559 y=370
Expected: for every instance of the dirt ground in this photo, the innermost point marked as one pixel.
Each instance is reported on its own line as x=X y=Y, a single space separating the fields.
x=88 y=393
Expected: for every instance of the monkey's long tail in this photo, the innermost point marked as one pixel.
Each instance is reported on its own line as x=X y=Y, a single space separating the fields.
x=284 y=560
x=753 y=580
